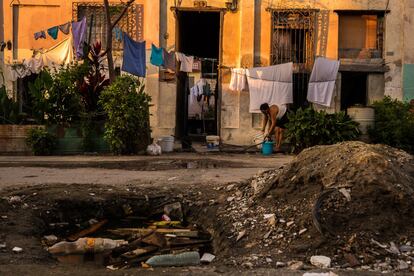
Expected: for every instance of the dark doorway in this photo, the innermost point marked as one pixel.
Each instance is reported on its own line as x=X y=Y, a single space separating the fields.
x=354 y=89
x=198 y=35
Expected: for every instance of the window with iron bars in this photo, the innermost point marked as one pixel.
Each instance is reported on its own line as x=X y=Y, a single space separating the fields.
x=97 y=26
x=293 y=40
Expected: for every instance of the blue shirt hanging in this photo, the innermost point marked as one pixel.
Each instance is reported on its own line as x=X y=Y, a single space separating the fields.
x=134 y=59
x=53 y=32
x=156 y=56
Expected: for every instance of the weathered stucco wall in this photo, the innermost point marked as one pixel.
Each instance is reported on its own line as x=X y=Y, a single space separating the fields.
x=246 y=42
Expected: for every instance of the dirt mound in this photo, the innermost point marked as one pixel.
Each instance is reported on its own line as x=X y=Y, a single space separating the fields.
x=352 y=202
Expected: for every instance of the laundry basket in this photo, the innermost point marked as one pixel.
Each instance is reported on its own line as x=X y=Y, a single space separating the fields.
x=167 y=143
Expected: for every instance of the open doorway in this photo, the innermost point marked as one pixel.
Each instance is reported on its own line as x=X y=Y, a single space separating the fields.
x=353 y=90
x=198 y=35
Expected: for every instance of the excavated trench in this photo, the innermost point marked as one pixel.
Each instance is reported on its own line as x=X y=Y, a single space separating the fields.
x=37 y=218
x=148 y=225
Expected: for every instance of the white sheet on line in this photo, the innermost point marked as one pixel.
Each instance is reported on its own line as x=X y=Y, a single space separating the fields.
x=322 y=81
x=272 y=85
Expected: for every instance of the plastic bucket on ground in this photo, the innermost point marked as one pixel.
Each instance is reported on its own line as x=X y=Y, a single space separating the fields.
x=213 y=142
x=267 y=148
x=365 y=116
x=167 y=143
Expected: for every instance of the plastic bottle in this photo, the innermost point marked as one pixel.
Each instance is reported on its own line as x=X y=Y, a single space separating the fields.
x=84 y=245
x=183 y=259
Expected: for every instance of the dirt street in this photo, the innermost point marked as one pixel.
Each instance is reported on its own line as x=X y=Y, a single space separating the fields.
x=42 y=196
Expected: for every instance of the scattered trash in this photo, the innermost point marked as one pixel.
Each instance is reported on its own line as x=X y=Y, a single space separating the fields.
x=3 y=245
x=92 y=229
x=266 y=236
x=241 y=235
x=207 y=258
x=230 y=198
x=17 y=249
x=346 y=193
x=172 y=178
x=111 y=267
x=165 y=218
x=84 y=245
x=302 y=231
x=402 y=265
x=4 y=217
x=280 y=264
x=50 y=240
x=320 y=274
x=321 y=261
x=15 y=199
x=174 y=211
x=154 y=149
x=393 y=249
x=183 y=259
x=290 y=223
x=383 y=246
x=406 y=248
x=295 y=265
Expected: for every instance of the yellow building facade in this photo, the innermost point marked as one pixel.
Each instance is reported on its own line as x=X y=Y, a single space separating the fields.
x=371 y=38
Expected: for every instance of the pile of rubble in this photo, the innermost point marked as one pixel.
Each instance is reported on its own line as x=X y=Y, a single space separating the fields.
x=349 y=203
x=166 y=242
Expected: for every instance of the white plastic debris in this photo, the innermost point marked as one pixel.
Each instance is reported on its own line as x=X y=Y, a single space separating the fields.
x=17 y=249
x=241 y=235
x=320 y=274
x=346 y=193
x=207 y=258
x=154 y=149
x=321 y=261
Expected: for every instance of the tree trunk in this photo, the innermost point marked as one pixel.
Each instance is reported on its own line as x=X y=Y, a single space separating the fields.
x=110 y=27
x=109 y=42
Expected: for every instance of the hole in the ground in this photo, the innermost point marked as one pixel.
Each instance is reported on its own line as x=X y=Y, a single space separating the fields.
x=124 y=232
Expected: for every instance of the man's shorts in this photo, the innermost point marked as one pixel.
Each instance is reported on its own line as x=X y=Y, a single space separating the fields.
x=282 y=121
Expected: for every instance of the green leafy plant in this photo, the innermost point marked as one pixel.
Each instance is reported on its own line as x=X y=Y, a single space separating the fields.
x=40 y=141
x=56 y=94
x=9 y=109
x=127 y=128
x=394 y=124
x=307 y=128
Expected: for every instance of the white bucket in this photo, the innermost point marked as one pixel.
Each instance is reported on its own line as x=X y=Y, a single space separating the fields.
x=167 y=143
x=213 y=142
x=365 y=116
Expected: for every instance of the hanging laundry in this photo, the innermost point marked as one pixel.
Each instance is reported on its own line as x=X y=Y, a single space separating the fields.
x=65 y=28
x=169 y=59
x=195 y=103
x=272 y=85
x=238 y=81
x=62 y=53
x=79 y=36
x=39 y=35
x=118 y=34
x=2 y=46
x=53 y=32
x=134 y=57
x=156 y=56
x=322 y=81
x=186 y=62
x=33 y=65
